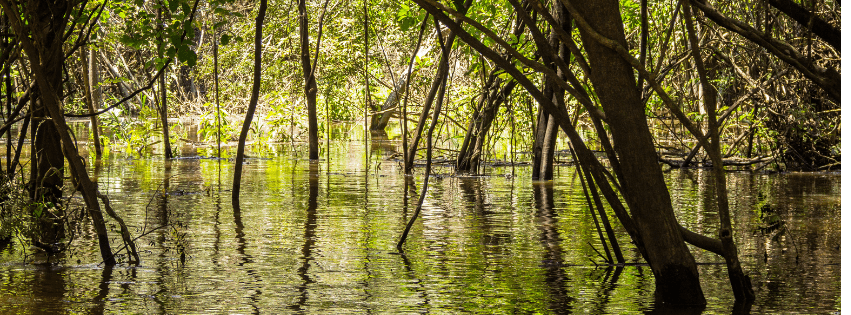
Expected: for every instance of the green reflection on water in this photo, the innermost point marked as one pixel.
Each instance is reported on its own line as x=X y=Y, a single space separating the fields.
x=320 y=237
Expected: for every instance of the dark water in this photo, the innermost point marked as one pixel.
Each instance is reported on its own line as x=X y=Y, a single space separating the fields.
x=320 y=238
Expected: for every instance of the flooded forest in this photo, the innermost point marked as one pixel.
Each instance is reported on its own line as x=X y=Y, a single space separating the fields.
x=420 y=156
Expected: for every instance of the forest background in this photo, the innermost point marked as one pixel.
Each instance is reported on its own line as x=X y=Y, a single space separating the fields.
x=632 y=84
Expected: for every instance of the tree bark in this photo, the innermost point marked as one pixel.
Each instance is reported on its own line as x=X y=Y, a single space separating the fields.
x=379 y=121
x=741 y=283
x=90 y=80
x=472 y=149
x=403 y=114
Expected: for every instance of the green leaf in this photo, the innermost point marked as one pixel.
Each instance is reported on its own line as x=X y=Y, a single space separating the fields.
x=225 y=39
x=187 y=55
x=172 y=5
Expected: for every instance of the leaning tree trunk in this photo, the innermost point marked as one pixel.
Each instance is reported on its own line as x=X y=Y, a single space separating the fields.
x=379 y=121
x=644 y=188
x=545 y=139
x=252 y=104
x=740 y=283
x=48 y=164
x=472 y=149
x=439 y=79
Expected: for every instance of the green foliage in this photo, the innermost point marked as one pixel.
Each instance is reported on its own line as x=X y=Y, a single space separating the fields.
x=137 y=135
x=209 y=127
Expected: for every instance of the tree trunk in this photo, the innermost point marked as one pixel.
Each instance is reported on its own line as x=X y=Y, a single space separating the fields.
x=379 y=121
x=252 y=103
x=644 y=188
x=438 y=81
x=439 y=78
x=164 y=107
x=8 y=99
x=46 y=64
x=90 y=79
x=309 y=82
x=538 y=145
x=740 y=283
x=470 y=154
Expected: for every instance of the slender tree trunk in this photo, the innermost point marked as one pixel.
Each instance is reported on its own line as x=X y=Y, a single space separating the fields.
x=367 y=107
x=439 y=79
x=310 y=87
x=445 y=50
x=163 y=99
x=218 y=108
x=556 y=93
x=472 y=149
x=538 y=145
x=549 y=148
x=252 y=103
x=8 y=99
x=740 y=283
x=90 y=78
x=403 y=115
x=551 y=90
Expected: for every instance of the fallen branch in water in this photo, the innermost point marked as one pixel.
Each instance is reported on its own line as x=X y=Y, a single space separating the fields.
x=678 y=163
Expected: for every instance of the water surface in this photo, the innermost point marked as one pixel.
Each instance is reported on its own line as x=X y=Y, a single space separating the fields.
x=319 y=237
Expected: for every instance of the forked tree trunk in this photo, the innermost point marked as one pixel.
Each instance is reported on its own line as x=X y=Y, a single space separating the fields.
x=740 y=283
x=472 y=149
x=310 y=87
x=545 y=146
x=439 y=78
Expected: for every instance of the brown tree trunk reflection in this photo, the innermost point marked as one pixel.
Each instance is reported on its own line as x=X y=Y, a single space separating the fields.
x=309 y=238
x=553 y=262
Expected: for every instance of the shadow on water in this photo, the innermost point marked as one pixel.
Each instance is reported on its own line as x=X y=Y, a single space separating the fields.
x=246 y=261
x=99 y=300
x=163 y=218
x=560 y=300
x=217 y=237
x=309 y=239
